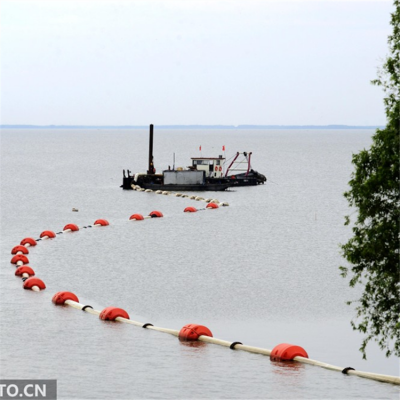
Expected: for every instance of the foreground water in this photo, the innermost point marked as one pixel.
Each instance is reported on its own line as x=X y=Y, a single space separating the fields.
x=263 y=271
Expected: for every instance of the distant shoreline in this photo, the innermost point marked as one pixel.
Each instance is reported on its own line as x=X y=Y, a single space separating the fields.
x=233 y=127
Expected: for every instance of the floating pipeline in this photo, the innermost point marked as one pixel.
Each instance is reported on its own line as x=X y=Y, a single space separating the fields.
x=184 y=196
x=210 y=206
x=194 y=332
x=190 y=332
x=21 y=260
x=30 y=281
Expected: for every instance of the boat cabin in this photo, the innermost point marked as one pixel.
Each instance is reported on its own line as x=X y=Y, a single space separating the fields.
x=212 y=166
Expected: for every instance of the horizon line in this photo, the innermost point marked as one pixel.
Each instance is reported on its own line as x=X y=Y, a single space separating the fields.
x=191 y=126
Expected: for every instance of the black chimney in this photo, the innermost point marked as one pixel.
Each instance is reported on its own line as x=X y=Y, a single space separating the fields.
x=151 y=169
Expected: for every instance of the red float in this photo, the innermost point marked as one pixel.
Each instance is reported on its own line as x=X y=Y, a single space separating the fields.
x=110 y=313
x=61 y=297
x=156 y=214
x=20 y=257
x=28 y=240
x=102 y=222
x=72 y=227
x=20 y=248
x=137 y=217
x=24 y=269
x=212 y=205
x=190 y=209
x=33 y=281
x=286 y=351
x=192 y=332
x=49 y=234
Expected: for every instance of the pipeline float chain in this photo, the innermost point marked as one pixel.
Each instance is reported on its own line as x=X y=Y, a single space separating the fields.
x=190 y=332
x=183 y=196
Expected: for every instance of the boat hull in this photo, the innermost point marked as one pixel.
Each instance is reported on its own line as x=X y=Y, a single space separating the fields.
x=157 y=185
x=219 y=187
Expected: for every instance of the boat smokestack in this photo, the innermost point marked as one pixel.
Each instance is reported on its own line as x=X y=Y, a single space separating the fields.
x=151 y=169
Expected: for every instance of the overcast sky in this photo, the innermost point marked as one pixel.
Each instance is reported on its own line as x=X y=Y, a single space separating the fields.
x=135 y=62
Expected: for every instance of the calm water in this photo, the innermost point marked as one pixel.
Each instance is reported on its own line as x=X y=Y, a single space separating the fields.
x=263 y=271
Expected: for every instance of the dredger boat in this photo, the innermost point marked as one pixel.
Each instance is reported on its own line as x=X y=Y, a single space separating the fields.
x=205 y=174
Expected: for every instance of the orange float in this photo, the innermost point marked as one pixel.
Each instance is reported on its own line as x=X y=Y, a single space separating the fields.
x=28 y=240
x=190 y=209
x=286 y=351
x=102 y=222
x=61 y=297
x=24 y=269
x=20 y=258
x=191 y=332
x=110 y=313
x=137 y=217
x=20 y=248
x=33 y=281
x=156 y=214
x=212 y=205
x=72 y=227
x=49 y=234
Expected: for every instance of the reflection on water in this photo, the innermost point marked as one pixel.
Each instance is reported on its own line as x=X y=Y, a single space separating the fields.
x=192 y=344
x=286 y=367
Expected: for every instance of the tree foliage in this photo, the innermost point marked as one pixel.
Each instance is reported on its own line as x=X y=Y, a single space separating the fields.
x=374 y=249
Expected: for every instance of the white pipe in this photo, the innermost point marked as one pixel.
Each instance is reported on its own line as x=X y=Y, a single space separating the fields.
x=170 y=331
x=67 y=230
x=155 y=328
x=79 y=306
x=19 y=263
x=129 y=321
x=370 y=375
x=25 y=275
x=251 y=349
x=44 y=237
x=27 y=244
x=376 y=377
x=35 y=288
x=317 y=363
x=213 y=340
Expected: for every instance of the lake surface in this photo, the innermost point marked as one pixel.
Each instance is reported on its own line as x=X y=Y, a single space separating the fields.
x=262 y=271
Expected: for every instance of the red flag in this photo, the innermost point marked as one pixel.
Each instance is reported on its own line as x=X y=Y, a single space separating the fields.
x=200 y=148
x=223 y=148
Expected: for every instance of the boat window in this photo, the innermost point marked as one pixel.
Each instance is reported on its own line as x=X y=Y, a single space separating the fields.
x=218 y=162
